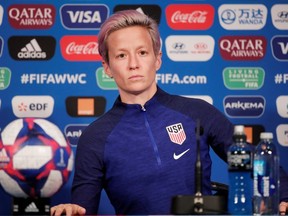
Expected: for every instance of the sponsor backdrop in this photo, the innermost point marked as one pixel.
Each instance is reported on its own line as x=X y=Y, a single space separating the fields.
x=231 y=53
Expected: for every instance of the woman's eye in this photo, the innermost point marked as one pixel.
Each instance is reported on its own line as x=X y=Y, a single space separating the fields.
x=121 y=55
x=142 y=53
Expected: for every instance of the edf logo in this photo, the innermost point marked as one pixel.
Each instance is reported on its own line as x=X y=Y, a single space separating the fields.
x=32 y=106
x=83 y=16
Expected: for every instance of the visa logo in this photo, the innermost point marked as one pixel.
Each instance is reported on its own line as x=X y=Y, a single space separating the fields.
x=83 y=16
x=279 y=46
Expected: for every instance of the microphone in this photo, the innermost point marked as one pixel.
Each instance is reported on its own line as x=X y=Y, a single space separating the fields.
x=198 y=199
x=199 y=204
x=198 y=167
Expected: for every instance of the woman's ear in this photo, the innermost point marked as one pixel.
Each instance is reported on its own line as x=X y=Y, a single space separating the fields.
x=107 y=69
x=158 y=61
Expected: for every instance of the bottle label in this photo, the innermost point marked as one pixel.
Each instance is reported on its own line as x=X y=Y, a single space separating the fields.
x=264 y=185
x=239 y=161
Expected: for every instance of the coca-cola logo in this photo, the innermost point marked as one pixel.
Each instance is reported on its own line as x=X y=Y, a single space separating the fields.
x=80 y=48
x=194 y=17
x=190 y=17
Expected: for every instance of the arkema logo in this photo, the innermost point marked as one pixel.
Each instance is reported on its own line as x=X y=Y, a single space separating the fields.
x=32 y=106
x=73 y=132
x=243 y=47
x=244 y=106
x=279 y=46
x=190 y=16
x=242 y=16
x=33 y=48
x=83 y=16
x=30 y=16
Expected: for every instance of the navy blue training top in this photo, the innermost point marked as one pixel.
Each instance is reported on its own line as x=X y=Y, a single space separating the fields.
x=143 y=156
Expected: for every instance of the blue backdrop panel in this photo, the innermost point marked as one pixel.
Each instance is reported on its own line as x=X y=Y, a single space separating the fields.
x=231 y=53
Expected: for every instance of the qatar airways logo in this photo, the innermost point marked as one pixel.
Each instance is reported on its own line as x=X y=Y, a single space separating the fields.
x=80 y=48
x=25 y=16
x=244 y=106
x=243 y=47
x=190 y=17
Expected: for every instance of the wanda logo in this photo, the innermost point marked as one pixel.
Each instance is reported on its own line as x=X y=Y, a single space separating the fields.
x=80 y=48
x=190 y=17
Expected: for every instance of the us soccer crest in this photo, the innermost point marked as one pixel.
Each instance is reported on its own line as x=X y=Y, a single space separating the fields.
x=176 y=133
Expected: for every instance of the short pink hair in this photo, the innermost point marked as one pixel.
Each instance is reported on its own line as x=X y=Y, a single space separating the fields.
x=124 y=19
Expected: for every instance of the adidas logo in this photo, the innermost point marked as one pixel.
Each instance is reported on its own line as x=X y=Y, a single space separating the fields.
x=31 y=208
x=140 y=10
x=32 y=50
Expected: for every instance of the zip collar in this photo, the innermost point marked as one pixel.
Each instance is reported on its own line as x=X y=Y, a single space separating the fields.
x=150 y=102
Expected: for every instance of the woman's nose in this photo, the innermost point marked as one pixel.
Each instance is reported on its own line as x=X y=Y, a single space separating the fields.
x=133 y=62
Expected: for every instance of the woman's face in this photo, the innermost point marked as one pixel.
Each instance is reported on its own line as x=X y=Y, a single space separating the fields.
x=132 y=61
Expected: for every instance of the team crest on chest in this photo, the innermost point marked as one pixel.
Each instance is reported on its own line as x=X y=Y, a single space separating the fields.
x=176 y=133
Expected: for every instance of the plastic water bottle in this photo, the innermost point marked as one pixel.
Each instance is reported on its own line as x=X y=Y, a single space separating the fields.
x=240 y=162
x=266 y=177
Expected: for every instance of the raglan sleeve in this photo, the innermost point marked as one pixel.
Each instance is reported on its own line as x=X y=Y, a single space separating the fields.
x=220 y=132
x=89 y=172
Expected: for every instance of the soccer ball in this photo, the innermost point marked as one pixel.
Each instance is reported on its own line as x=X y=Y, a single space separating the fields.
x=35 y=158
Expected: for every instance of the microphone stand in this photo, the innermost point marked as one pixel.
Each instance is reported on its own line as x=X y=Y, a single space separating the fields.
x=199 y=204
x=198 y=198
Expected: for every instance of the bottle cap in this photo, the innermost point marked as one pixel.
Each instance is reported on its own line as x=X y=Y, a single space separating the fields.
x=266 y=135
x=239 y=129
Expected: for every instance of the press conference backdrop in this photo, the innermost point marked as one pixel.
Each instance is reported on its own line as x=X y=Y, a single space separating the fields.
x=233 y=54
